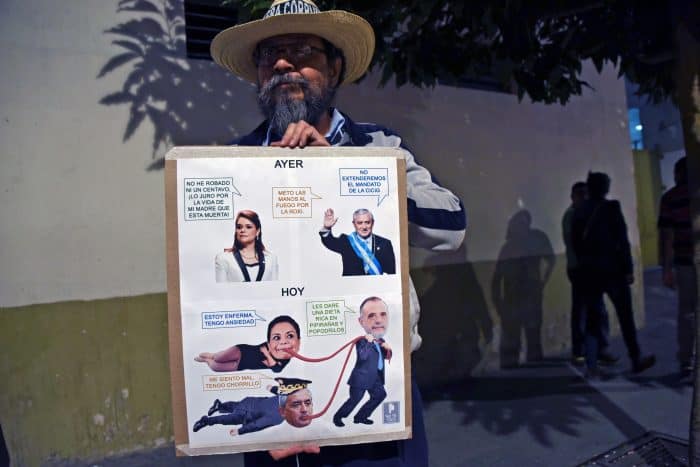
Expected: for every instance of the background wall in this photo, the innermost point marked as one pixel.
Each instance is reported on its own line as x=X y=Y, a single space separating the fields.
x=90 y=99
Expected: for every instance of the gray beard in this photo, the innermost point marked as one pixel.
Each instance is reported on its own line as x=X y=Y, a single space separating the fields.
x=281 y=110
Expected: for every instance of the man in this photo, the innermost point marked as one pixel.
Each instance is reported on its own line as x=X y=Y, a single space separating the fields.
x=368 y=374
x=676 y=239
x=292 y=402
x=363 y=252
x=599 y=235
x=579 y=192
x=298 y=56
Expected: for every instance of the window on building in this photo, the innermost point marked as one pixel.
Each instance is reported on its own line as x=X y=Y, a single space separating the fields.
x=204 y=19
x=636 y=128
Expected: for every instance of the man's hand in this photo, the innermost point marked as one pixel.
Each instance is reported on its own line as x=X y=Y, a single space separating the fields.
x=369 y=338
x=278 y=454
x=300 y=135
x=668 y=278
x=233 y=432
x=387 y=349
x=329 y=219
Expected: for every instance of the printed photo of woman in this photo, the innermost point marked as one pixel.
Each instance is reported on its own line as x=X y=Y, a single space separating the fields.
x=247 y=260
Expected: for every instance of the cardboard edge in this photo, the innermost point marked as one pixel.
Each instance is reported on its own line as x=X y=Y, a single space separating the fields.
x=177 y=378
x=177 y=375
x=186 y=450
x=405 y=278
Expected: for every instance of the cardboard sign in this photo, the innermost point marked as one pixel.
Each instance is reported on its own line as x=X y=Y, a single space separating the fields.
x=287 y=297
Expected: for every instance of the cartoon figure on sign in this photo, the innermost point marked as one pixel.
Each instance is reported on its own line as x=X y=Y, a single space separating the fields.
x=363 y=252
x=292 y=402
x=283 y=334
x=368 y=374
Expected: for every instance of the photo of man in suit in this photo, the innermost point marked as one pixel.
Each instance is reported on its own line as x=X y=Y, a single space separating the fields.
x=368 y=374
x=291 y=402
x=363 y=252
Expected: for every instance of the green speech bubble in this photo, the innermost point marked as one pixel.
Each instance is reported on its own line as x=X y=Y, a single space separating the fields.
x=326 y=318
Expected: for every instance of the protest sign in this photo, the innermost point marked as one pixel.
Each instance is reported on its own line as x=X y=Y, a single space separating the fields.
x=287 y=297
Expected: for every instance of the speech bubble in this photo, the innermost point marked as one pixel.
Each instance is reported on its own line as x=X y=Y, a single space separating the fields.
x=209 y=198
x=326 y=318
x=230 y=319
x=365 y=182
x=292 y=202
x=230 y=382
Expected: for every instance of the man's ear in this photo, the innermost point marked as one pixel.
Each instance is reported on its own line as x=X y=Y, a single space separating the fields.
x=334 y=71
x=281 y=409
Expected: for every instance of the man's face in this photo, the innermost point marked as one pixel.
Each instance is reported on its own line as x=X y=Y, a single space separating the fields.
x=296 y=81
x=374 y=318
x=363 y=224
x=298 y=409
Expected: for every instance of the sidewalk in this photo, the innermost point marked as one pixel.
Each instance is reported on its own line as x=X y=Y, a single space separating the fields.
x=540 y=415
x=547 y=415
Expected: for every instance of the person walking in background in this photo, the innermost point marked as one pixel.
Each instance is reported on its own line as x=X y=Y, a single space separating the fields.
x=676 y=250
x=579 y=192
x=600 y=242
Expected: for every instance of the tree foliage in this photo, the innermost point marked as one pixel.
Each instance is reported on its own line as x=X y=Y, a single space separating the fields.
x=535 y=48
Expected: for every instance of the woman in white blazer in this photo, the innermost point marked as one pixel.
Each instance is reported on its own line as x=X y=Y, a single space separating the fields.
x=248 y=260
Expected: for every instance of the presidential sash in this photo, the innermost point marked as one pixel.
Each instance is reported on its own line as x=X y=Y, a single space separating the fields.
x=370 y=262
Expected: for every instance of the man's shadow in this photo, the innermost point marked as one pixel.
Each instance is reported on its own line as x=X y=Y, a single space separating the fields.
x=455 y=325
x=186 y=101
x=525 y=263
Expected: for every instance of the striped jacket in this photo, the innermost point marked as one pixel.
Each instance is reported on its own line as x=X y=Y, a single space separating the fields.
x=437 y=220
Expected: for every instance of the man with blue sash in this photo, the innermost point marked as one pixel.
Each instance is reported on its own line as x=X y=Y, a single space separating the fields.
x=363 y=252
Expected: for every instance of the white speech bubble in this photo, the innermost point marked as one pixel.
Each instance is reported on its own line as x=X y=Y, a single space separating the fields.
x=365 y=182
x=209 y=198
x=292 y=202
x=231 y=382
x=230 y=319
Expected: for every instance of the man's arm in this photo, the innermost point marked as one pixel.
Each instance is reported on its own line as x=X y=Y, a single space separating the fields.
x=437 y=220
x=390 y=266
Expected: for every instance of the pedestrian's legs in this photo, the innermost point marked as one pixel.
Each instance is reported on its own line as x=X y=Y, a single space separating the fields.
x=686 y=280
x=604 y=326
x=578 y=304
x=621 y=296
x=593 y=296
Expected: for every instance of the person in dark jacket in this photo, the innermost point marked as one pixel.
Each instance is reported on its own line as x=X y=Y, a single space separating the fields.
x=600 y=242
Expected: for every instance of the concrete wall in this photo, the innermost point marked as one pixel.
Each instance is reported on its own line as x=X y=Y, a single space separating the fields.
x=90 y=99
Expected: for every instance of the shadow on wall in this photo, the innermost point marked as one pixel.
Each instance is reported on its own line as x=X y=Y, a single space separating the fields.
x=525 y=263
x=456 y=326
x=178 y=96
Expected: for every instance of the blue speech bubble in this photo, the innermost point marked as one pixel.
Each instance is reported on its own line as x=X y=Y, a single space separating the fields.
x=365 y=182
x=230 y=319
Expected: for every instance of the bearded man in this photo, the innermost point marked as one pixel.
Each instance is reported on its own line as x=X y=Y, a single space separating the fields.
x=298 y=56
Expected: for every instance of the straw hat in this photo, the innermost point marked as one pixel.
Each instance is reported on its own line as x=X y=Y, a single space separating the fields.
x=233 y=48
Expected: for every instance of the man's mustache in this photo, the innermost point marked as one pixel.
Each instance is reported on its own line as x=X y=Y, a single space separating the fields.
x=278 y=80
